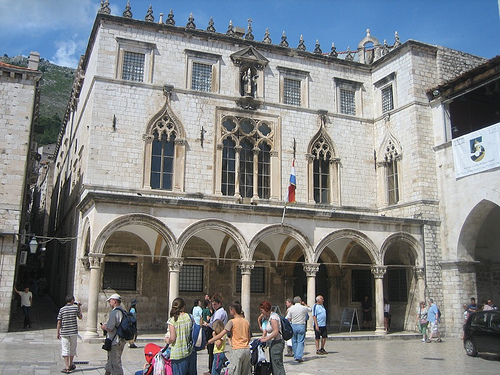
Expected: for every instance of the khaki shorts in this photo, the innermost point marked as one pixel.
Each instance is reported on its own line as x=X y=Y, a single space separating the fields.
x=68 y=345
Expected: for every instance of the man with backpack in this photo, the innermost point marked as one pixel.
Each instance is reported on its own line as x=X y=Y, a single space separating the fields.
x=114 y=364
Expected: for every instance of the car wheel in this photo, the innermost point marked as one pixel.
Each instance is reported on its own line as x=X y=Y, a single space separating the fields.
x=470 y=348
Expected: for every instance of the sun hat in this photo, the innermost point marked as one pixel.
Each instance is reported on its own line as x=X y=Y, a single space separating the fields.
x=115 y=296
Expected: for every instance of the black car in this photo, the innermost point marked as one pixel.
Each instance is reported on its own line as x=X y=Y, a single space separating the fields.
x=482 y=332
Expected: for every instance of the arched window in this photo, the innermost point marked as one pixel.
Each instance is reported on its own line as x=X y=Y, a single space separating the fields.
x=389 y=170
x=164 y=152
x=323 y=187
x=246 y=157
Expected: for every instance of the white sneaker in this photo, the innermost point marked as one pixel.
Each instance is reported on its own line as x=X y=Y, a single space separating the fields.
x=423 y=340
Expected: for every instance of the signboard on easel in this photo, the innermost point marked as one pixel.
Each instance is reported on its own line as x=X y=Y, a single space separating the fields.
x=348 y=316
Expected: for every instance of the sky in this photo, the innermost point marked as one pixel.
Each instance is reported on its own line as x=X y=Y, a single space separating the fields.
x=59 y=29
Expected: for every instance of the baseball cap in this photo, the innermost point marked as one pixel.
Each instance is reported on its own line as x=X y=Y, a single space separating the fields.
x=115 y=296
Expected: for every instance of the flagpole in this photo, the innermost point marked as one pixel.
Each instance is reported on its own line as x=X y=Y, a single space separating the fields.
x=283 y=216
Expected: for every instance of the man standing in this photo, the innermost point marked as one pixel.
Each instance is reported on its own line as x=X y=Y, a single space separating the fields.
x=289 y=351
x=320 y=332
x=26 y=303
x=218 y=314
x=433 y=318
x=297 y=316
x=114 y=364
x=472 y=308
x=67 y=331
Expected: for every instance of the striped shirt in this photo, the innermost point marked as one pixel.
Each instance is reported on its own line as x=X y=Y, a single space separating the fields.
x=68 y=316
x=181 y=348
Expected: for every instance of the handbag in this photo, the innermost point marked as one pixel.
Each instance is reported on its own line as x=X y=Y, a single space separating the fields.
x=107 y=344
x=423 y=321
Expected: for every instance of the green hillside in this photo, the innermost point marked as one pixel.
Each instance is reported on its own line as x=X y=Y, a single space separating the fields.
x=55 y=86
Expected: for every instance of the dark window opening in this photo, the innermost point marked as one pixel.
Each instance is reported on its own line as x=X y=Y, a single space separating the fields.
x=120 y=276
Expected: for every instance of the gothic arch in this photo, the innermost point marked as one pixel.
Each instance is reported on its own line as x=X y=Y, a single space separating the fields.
x=86 y=235
x=359 y=237
x=216 y=225
x=286 y=230
x=165 y=124
x=415 y=246
x=322 y=149
x=390 y=148
x=135 y=219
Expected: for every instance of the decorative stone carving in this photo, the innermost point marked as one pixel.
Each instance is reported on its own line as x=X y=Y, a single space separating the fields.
x=397 y=42
x=378 y=271
x=419 y=272
x=190 y=25
x=283 y=42
x=311 y=269
x=230 y=29
x=249 y=35
x=149 y=15
x=249 y=57
x=211 y=27
x=350 y=55
x=301 y=46
x=317 y=48
x=127 y=13
x=385 y=48
x=95 y=260
x=170 y=19
x=104 y=9
x=246 y=267
x=333 y=51
x=249 y=83
x=175 y=264
x=267 y=37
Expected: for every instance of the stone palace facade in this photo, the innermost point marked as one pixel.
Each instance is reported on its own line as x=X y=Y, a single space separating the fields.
x=174 y=159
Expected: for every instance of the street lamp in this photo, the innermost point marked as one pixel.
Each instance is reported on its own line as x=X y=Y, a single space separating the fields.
x=33 y=245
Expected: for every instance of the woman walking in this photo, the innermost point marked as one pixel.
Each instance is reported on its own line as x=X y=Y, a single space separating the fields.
x=422 y=320
x=271 y=334
x=182 y=355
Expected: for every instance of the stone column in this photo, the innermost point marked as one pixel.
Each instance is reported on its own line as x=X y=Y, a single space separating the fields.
x=378 y=273
x=95 y=261
x=420 y=276
x=174 y=267
x=311 y=269
x=246 y=268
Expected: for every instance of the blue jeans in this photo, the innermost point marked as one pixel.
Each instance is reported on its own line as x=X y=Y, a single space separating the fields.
x=186 y=365
x=298 y=338
x=219 y=360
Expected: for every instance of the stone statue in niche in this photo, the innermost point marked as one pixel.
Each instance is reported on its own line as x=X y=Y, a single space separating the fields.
x=248 y=83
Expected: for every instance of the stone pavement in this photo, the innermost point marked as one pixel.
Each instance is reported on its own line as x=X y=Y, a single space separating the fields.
x=37 y=352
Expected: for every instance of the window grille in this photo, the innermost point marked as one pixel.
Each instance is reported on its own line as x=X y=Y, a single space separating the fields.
x=264 y=177
x=392 y=182
x=191 y=278
x=228 y=167
x=246 y=169
x=133 y=66
x=397 y=285
x=361 y=284
x=387 y=99
x=347 y=102
x=257 y=280
x=321 y=175
x=201 y=79
x=120 y=276
x=291 y=91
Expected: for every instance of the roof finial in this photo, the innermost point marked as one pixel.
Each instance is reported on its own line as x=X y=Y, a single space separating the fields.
x=249 y=35
x=211 y=27
x=149 y=15
x=350 y=55
x=333 y=52
x=397 y=43
x=301 y=46
x=230 y=28
x=170 y=19
x=190 y=24
x=104 y=9
x=267 y=37
x=317 y=48
x=283 y=42
x=127 y=13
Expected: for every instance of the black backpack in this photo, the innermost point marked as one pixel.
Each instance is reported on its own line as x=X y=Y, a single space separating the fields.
x=286 y=328
x=128 y=325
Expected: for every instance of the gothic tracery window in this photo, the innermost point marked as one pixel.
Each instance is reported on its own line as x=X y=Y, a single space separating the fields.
x=246 y=157
x=391 y=158
x=321 y=170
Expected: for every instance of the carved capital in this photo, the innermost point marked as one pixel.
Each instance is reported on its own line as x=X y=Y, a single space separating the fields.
x=180 y=141
x=379 y=271
x=419 y=272
x=220 y=146
x=147 y=138
x=95 y=261
x=311 y=269
x=175 y=264
x=246 y=267
x=273 y=154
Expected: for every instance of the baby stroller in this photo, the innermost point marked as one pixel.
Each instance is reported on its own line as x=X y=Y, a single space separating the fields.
x=157 y=360
x=260 y=365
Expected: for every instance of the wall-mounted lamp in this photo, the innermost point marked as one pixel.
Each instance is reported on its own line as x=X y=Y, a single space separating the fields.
x=202 y=135
x=33 y=245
